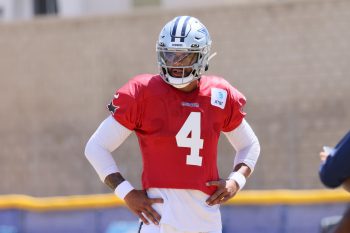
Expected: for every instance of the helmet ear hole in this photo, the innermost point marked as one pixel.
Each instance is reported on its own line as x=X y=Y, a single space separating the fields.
x=206 y=67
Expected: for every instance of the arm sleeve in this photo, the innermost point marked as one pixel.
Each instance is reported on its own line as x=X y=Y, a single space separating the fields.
x=336 y=168
x=246 y=144
x=108 y=137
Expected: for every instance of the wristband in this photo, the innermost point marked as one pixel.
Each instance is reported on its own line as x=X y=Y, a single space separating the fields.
x=123 y=189
x=239 y=178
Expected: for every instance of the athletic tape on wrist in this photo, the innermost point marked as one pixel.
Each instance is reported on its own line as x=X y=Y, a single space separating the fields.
x=239 y=178
x=123 y=189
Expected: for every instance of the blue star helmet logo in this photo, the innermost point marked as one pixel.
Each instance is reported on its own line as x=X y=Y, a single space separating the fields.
x=203 y=30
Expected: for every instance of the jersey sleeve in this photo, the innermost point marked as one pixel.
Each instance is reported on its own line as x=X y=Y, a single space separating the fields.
x=234 y=112
x=124 y=106
x=336 y=169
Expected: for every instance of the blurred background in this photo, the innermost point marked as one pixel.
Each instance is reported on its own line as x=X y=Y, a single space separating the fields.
x=62 y=60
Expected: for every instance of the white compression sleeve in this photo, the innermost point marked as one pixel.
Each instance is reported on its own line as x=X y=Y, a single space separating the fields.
x=246 y=144
x=108 y=137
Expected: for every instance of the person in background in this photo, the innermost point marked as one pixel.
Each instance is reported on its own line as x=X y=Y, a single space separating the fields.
x=178 y=116
x=335 y=172
x=335 y=167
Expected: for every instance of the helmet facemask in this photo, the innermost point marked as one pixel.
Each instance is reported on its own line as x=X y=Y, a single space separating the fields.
x=181 y=66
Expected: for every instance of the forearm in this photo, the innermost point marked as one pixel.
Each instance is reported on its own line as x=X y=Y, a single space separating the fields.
x=247 y=148
x=100 y=159
x=243 y=169
x=113 y=180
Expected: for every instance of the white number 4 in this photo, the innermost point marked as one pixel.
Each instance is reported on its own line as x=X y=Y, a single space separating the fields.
x=192 y=125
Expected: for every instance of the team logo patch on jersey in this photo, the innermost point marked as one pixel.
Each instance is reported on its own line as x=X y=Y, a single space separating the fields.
x=112 y=108
x=218 y=97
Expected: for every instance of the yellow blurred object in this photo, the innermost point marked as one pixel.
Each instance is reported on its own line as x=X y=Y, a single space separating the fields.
x=249 y=197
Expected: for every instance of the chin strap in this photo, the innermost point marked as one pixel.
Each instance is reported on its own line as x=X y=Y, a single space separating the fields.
x=179 y=86
x=210 y=57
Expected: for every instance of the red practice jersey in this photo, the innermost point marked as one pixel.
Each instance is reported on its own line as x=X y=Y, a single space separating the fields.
x=178 y=132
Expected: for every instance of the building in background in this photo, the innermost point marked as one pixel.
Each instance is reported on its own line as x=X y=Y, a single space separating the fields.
x=12 y=10
x=15 y=9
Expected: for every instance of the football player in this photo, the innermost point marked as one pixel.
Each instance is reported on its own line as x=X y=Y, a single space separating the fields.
x=178 y=116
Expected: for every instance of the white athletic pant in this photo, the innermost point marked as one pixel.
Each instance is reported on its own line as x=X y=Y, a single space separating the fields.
x=163 y=228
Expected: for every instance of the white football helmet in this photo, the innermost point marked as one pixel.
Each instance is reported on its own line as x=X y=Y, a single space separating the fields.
x=183 y=51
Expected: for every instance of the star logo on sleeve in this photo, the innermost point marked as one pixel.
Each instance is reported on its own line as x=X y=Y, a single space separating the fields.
x=112 y=108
